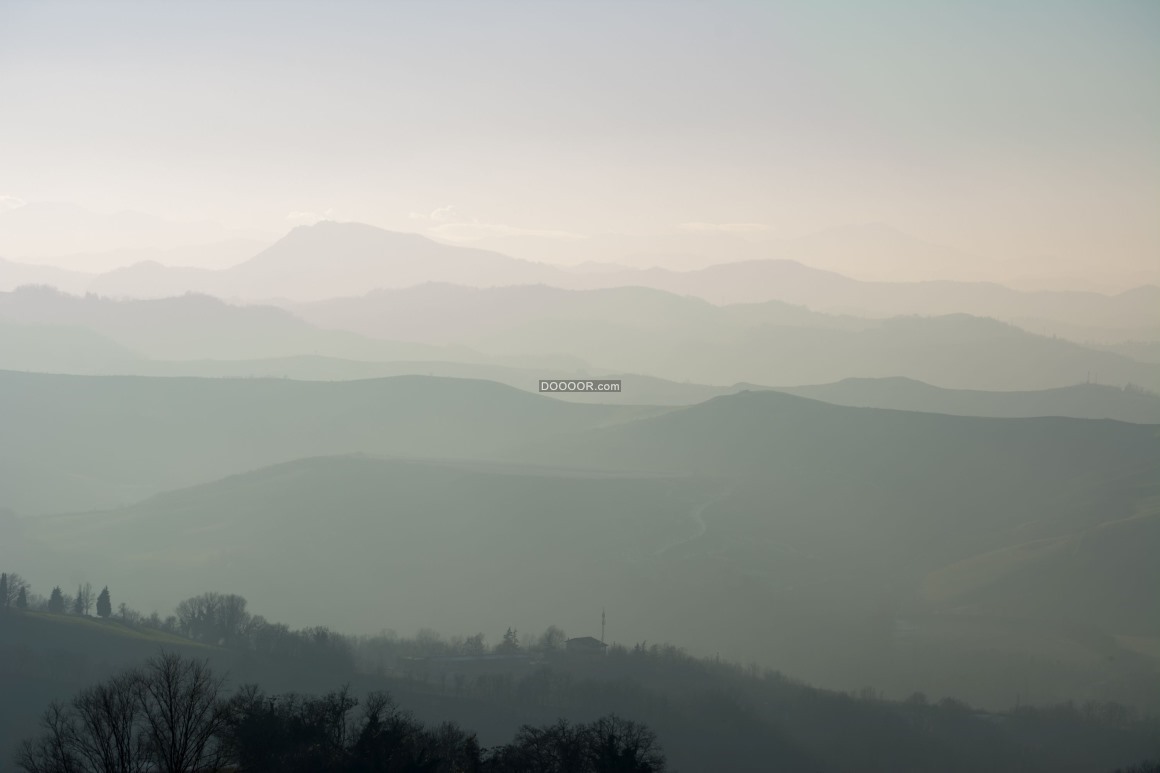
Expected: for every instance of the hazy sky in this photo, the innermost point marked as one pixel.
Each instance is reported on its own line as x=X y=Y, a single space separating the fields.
x=1008 y=130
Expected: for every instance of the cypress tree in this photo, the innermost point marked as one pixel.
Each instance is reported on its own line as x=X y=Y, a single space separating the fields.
x=56 y=601
x=104 y=604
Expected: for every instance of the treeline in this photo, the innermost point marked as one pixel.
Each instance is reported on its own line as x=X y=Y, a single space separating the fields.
x=172 y=715
x=703 y=710
x=16 y=593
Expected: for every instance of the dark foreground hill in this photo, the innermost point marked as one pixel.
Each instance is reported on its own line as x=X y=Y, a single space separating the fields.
x=707 y=714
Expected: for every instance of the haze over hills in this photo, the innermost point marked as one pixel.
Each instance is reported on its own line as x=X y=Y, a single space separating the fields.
x=14 y=275
x=1081 y=401
x=633 y=329
x=792 y=282
x=80 y=442
x=278 y=291
x=562 y=334
x=828 y=537
x=890 y=497
x=332 y=259
x=200 y=327
x=79 y=351
x=441 y=313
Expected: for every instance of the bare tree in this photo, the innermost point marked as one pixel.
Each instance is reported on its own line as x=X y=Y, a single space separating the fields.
x=52 y=752
x=165 y=717
x=552 y=640
x=106 y=726
x=616 y=743
x=83 y=603
x=180 y=700
x=10 y=586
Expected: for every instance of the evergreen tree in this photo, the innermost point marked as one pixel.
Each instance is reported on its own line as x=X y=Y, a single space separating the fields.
x=104 y=604
x=56 y=601
x=511 y=642
x=3 y=590
x=78 y=606
x=22 y=598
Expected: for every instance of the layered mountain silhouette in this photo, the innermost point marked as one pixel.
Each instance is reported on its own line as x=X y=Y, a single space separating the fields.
x=337 y=259
x=192 y=327
x=673 y=349
x=683 y=338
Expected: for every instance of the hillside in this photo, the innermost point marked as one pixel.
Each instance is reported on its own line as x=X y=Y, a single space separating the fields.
x=82 y=442
x=443 y=313
x=959 y=352
x=683 y=338
x=858 y=510
x=706 y=713
x=1081 y=401
x=824 y=291
x=421 y=543
x=198 y=327
x=824 y=540
x=62 y=349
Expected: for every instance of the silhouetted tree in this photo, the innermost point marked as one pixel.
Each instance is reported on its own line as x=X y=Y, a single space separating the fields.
x=56 y=601
x=104 y=603
x=510 y=643
x=10 y=586
x=22 y=598
x=83 y=601
x=214 y=618
x=474 y=645
x=617 y=744
x=608 y=745
x=165 y=717
x=552 y=639
x=298 y=734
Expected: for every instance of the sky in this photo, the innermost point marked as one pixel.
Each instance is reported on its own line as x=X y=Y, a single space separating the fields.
x=1017 y=134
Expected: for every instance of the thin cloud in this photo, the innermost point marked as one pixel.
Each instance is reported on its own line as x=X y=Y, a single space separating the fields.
x=11 y=202
x=445 y=214
x=475 y=230
x=448 y=223
x=309 y=218
x=729 y=228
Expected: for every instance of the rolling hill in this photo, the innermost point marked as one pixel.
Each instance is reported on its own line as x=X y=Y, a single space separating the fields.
x=857 y=507
x=845 y=545
x=198 y=326
x=1081 y=401
x=76 y=442
x=639 y=330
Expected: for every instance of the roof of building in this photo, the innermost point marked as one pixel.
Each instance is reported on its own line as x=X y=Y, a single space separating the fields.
x=586 y=641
